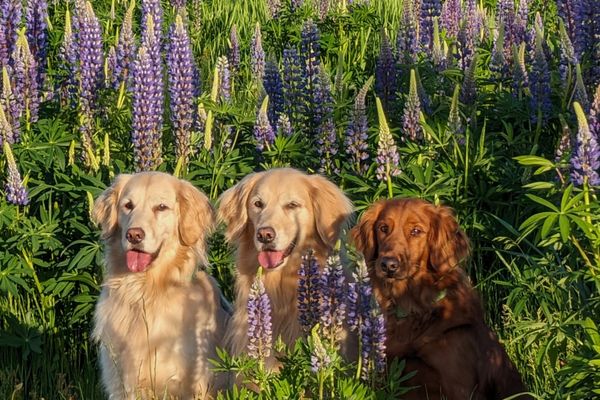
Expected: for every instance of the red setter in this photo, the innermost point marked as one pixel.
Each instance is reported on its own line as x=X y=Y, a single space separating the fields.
x=434 y=317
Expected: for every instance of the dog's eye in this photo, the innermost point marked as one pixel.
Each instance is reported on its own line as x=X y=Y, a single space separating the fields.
x=162 y=207
x=384 y=228
x=292 y=204
x=416 y=231
x=128 y=206
x=258 y=204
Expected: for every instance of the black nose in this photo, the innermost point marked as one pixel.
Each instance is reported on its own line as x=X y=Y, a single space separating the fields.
x=389 y=264
x=135 y=235
x=265 y=235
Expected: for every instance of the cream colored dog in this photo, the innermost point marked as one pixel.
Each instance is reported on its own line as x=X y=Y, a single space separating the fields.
x=274 y=217
x=158 y=319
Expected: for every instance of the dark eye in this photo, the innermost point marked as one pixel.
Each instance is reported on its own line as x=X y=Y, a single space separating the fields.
x=416 y=231
x=162 y=207
x=128 y=206
x=258 y=204
x=384 y=228
x=292 y=204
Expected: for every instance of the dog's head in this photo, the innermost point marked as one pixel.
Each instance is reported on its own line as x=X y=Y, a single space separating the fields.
x=282 y=211
x=402 y=238
x=151 y=215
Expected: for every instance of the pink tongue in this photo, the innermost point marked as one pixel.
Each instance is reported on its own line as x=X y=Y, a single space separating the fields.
x=270 y=259
x=138 y=261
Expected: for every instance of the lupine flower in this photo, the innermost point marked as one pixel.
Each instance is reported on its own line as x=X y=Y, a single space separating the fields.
x=224 y=79
x=412 y=111
x=14 y=188
x=430 y=9
x=68 y=54
x=332 y=304
x=12 y=115
x=310 y=51
x=520 y=79
x=294 y=87
x=438 y=53
x=234 y=49
x=387 y=155
x=539 y=83
x=594 y=119
x=575 y=14
x=564 y=148
x=454 y=127
x=322 y=112
x=91 y=58
x=274 y=88
x=568 y=60
x=585 y=162
x=506 y=19
x=153 y=8
x=36 y=14
x=327 y=146
x=498 y=63
x=519 y=28
x=595 y=56
x=263 y=131
x=309 y=289
x=450 y=17
x=356 y=137
x=579 y=93
x=320 y=359
x=407 y=42
x=385 y=74
x=373 y=344
x=125 y=48
x=147 y=111
x=273 y=8
x=257 y=55
x=25 y=86
x=296 y=4
x=465 y=43
x=468 y=89
x=180 y=68
x=323 y=9
x=10 y=20
x=473 y=19
x=177 y=4
x=110 y=65
x=6 y=133
x=260 y=333
x=284 y=126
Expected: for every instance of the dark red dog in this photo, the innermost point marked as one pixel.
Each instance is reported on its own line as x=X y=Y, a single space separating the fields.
x=434 y=316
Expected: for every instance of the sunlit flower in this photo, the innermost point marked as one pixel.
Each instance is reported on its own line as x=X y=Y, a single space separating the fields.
x=257 y=55
x=356 y=136
x=260 y=334
x=387 y=154
x=263 y=130
x=14 y=188
x=412 y=111
x=585 y=162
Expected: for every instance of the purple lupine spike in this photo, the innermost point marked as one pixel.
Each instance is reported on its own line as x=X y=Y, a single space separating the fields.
x=454 y=127
x=25 y=86
x=585 y=162
x=177 y=4
x=539 y=83
x=322 y=108
x=323 y=9
x=257 y=55
x=260 y=333
x=468 y=90
x=36 y=14
x=332 y=304
x=110 y=67
x=568 y=60
x=224 y=79
x=68 y=55
x=520 y=79
x=310 y=51
x=385 y=74
x=407 y=42
x=296 y=4
x=519 y=28
x=387 y=154
x=575 y=14
x=294 y=87
x=180 y=67
x=263 y=130
x=594 y=116
x=14 y=187
x=430 y=9
x=327 y=147
x=438 y=51
x=595 y=56
x=579 y=92
x=564 y=148
x=473 y=18
x=356 y=137
x=498 y=62
x=505 y=15
x=274 y=88
x=91 y=58
x=412 y=110
x=10 y=21
x=284 y=126
x=465 y=43
x=234 y=49
x=273 y=8
x=125 y=49
x=147 y=111
x=152 y=7
x=309 y=289
x=450 y=17
x=9 y=102
x=319 y=359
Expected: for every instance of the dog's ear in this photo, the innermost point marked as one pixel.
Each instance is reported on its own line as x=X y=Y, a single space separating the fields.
x=233 y=207
x=331 y=208
x=448 y=244
x=196 y=214
x=363 y=234
x=105 y=211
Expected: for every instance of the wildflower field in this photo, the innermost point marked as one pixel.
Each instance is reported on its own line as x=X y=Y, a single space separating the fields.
x=490 y=107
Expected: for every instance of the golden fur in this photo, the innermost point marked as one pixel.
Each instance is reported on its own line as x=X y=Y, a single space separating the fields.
x=157 y=328
x=305 y=209
x=434 y=318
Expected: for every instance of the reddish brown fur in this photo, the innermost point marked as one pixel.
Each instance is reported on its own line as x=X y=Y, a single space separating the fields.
x=434 y=317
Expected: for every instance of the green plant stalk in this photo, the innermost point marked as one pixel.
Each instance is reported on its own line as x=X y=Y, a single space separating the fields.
x=388 y=178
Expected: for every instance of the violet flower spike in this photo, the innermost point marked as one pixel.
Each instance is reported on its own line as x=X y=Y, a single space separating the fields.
x=10 y=21
x=273 y=86
x=357 y=134
x=412 y=111
x=12 y=115
x=263 y=130
x=224 y=79
x=387 y=154
x=36 y=15
x=257 y=55
x=234 y=49
x=309 y=291
x=585 y=162
x=25 y=80
x=260 y=332
x=14 y=187
x=125 y=49
x=91 y=58
x=385 y=74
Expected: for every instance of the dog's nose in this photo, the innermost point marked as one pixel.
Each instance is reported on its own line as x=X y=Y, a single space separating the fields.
x=135 y=235
x=265 y=235
x=389 y=264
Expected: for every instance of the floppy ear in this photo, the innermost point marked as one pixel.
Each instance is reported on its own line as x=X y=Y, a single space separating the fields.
x=233 y=209
x=196 y=214
x=105 y=207
x=363 y=234
x=448 y=244
x=331 y=208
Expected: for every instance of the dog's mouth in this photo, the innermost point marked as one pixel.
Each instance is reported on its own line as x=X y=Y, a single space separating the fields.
x=271 y=258
x=138 y=261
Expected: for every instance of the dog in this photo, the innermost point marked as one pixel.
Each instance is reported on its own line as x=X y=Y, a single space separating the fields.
x=274 y=217
x=434 y=317
x=158 y=319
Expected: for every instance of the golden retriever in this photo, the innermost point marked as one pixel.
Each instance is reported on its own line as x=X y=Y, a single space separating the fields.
x=274 y=217
x=434 y=317
x=158 y=320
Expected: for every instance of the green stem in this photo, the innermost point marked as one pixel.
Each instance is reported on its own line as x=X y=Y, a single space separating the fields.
x=388 y=178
